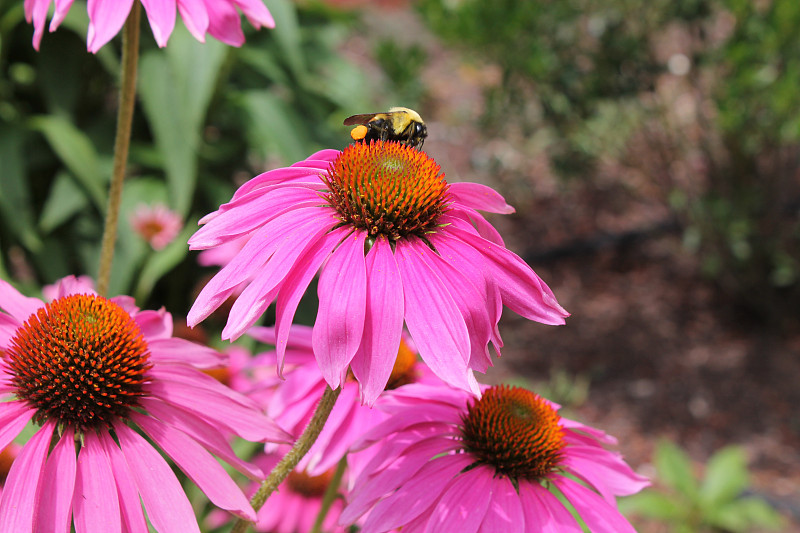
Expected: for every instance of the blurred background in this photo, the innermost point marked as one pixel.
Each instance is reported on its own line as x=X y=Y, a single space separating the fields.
x=651 y=149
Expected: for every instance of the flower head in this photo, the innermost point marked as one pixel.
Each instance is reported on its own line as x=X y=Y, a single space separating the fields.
x=394 y=242
x=218 y=18
x=156 y=224
x=87 y=370
x=450 y=462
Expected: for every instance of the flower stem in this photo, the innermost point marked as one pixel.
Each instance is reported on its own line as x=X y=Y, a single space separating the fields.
x=291 y=459
x=331 y=492
x=127 y=99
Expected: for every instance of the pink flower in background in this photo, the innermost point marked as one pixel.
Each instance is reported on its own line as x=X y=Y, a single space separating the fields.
x=294 y=507
x=449 y=462
x=394 y=242
x=157 y=224
x=218 y=18
x=88 y=370
x=291 y=402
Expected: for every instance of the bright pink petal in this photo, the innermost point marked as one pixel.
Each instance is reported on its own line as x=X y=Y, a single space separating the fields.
x=599 y=516
x=432 y=317
x=417 y=495
x=295 y=285
x=464 y=503
x=14 y=416
x=383 y=324
x=106 y=18
x=256 y=12
x=167 y=505
x=470 y=220
x=224 y=23
x=298 y=175
x=543 y=512
x=195 y=17
x=58 y=486
x=68 y=285
x=340 y=317
x=36 y=11
x=95 y=502
x=15 y=304
x=604 y=470
x=161 y=15
x=299 y=336
x=199 y=465
x=8 y=329
x=505 y=509
x=62 y=7
x=181 y=351
x=479 y=196
x=18 y=504
x=154 y=324
x=204 y=433
x=131 y=512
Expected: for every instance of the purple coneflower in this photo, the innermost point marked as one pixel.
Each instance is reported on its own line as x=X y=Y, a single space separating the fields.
x=88 y=370
x=218 y=18
x=394 y=242
x=157 y=225
x=452 y=463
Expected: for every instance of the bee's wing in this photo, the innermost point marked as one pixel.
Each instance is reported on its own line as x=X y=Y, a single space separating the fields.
x=359 y=119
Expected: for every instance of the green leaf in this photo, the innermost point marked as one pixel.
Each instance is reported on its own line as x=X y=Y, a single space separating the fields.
x=287 y=35
x=726 y=477
x=15 y=198
x=160 y=263
x=77 y=153
x=652 y=504
x=176 y=85
x=273 y=127
x=65 y=199
x=745 y=515
x=675 y=469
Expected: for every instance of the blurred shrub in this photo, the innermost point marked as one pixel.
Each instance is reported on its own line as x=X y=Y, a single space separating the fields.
x=208 y=117
x=715 y=502
x=583 y=78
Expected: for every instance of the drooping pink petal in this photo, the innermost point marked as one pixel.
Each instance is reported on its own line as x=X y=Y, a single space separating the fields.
x=166 y=503
x=383 y=323
x=154 y=324
x=295 y=285
x=62 y=7
x=416 y=496
x=131 y=512
x=605 y=471
x=543 y=512
x=95 y=502
x=299 y=336
x=15 y=304
x=199 y=465
x=300 y=175
x=256 y=12
x=599 y=516
x=181 y=351
x=161 y=15
x=224 y=23
x=464 y=503
x=58 y=486
x=201 y=431
x=14 y=416
x=18 y=504
x=195 y=17
x=432 y=317
x=340 y=317
x=37 y=12
x=478 y=196
x=106 y=18
x=215 y=407
x=505 y=509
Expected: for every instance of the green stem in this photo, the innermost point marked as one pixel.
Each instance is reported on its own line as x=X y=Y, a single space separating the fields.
x=127 y=99
x=291 y=459
x=331 y=492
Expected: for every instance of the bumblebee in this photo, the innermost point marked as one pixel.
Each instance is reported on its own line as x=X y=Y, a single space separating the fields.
x=398 y=124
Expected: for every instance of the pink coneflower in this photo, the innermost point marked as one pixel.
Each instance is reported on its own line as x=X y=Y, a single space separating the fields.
x=156 y=224
x=292 y=402
x=398 y=243
x=89 y=370
x=449 y=462
x=218 y=18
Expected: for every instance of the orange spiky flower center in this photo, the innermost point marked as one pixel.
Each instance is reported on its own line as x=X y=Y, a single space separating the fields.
x=387 y=188
x=514 y=431
x=404 y=370
x=80 y=360
x=307 y=485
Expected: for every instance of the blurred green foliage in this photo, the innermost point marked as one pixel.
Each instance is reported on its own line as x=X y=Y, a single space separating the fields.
x=582 y=77
x=715 y=502
x=208 y=117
